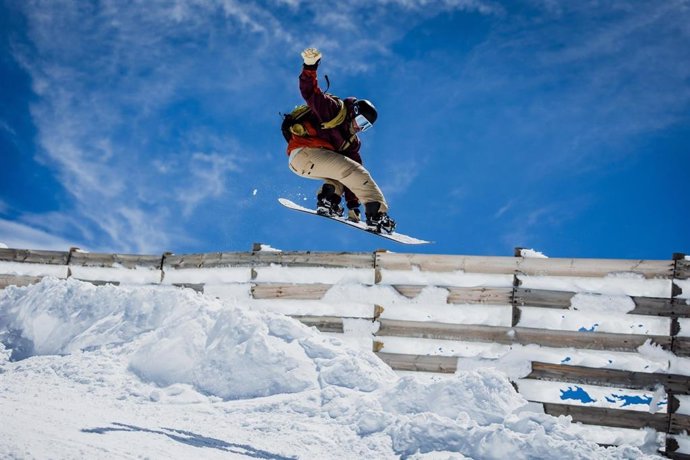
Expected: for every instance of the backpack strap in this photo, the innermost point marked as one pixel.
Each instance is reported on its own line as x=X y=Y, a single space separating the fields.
x=338 y=119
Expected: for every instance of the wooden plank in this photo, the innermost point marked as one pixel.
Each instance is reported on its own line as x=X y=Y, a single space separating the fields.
x=463 y=295
x=594 y=267
x=34 y=256
x=652 y=306
x=198 y=287
x=408 y=291
x=681 y=346
x=616 y=418
x=208 y=260
x=479 y=295
x=88 y=259
x=322 y=323
x=682 y=271
x=18 y=280
x=649 y=306
x=289 y=291
x=315 y=259
x=420 y=363
x=679 y=423
x=677 y=384
x=445 y=263
x=526 y=266
x=543 y=298
x=520 y=335
x=99 y=282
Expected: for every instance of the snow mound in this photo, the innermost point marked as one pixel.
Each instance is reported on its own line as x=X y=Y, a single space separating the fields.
x=179 y=336
x=143 y=349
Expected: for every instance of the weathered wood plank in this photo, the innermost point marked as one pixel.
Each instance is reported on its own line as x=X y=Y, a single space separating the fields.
x=649 y=306
x=198 y=287
x=682 y=271
x=617 y=418
x=289 y=291
x=208 y=260
x=315 y=259
x=521 y=335
x=463 y=295
x=526 y=266
x=420 y=363
x=408 y=291
x=99 y=282
x=479 y=295
x=18 y=280
x=445 y=263
x=88 y=259
x=652 y=306
x=677 y=384
x=543 y=298
x=594 y=267
x=34 y=256
x=322 y=323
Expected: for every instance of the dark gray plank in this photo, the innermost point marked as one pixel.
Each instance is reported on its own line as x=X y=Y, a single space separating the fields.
x=677 y=384
x=322 y=323
x=521 y=335
x=617 y=418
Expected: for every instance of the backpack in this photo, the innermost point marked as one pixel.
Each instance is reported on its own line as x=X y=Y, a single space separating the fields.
x=293 y=122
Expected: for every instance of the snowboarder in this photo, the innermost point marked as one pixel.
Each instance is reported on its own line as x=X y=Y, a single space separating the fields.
x=323 y=144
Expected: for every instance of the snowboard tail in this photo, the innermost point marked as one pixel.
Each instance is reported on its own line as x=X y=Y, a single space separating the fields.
x=395 y=236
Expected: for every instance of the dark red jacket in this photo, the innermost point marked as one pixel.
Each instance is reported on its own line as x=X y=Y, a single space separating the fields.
x=341 y=139
x=326 y=107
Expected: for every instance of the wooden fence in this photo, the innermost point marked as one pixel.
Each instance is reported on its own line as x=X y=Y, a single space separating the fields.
x=513 y=285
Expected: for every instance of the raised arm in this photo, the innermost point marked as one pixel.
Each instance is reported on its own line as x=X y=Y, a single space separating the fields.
x=324 y=106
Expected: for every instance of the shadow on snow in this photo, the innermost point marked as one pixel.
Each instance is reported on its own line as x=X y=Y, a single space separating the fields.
x=191 y=439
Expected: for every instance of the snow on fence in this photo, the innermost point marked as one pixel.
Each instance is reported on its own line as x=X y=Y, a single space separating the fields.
x=614 y=335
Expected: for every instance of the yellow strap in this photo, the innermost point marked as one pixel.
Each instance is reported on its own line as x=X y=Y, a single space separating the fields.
x=338 y=118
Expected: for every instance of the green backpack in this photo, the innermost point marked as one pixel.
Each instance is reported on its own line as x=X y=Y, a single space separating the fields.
x=293 y=121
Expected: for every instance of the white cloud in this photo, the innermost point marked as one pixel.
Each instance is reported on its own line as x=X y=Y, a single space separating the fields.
x=20 y=236
x=208 y=179
x=126 y=91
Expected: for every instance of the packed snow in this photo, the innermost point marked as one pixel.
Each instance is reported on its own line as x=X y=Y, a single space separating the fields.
x=162 y=372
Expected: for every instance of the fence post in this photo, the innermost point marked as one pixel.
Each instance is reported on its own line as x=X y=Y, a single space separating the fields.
x=673 y=403
x=515 y=310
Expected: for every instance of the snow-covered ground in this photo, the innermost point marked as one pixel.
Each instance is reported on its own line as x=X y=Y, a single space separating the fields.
x=162 y=372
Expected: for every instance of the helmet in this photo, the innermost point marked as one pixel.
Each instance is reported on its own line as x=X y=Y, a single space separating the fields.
x=366 y=109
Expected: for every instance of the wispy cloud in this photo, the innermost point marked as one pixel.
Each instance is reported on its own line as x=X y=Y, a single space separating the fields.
x=20 y=236
x=208 y=178
x=125 y=90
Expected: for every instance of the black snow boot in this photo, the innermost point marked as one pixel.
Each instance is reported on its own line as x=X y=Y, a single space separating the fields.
x=376 y=220
x=328 y=202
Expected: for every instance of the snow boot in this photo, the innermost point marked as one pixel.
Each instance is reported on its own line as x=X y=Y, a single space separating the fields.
x=328 y=202
x=376 y=220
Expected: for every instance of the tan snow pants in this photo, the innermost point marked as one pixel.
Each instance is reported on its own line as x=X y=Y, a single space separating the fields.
x=337 y=170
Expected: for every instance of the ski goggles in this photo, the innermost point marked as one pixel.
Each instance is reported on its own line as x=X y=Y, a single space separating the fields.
x=362 y=123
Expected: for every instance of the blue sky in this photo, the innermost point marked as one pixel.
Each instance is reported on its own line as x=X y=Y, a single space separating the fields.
x=143 y=127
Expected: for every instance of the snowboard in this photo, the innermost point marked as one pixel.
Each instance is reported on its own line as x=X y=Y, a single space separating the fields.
x=395 y=236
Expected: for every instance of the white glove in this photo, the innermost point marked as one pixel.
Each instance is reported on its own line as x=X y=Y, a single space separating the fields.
x=311 y=56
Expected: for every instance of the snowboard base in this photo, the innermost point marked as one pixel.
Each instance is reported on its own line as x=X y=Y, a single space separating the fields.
x=395 y=236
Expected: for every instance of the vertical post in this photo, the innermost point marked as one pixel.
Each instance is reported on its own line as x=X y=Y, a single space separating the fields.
x=680 y=269
x=515 y=310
